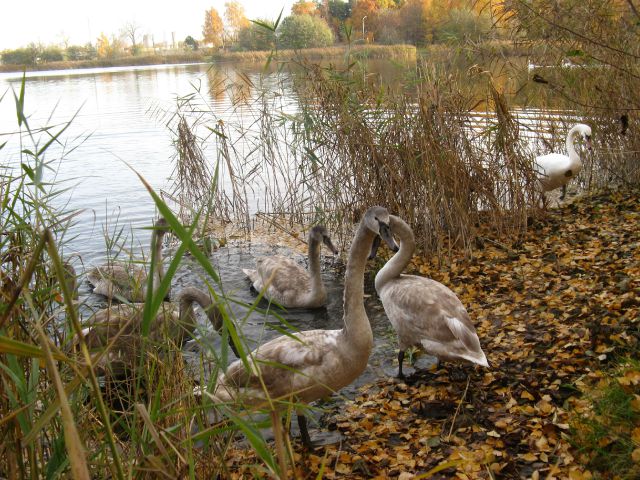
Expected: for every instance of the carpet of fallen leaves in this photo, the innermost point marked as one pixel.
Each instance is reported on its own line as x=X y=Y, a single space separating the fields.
x=554 y=311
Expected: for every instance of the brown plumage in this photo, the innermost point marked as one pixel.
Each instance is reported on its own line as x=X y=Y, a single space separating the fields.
x=286 y=282
x=119 y=328
x=122 y=281
x=310 y=365
x=423 y=312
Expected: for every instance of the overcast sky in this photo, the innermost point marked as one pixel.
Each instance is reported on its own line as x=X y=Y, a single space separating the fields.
x=81 y=21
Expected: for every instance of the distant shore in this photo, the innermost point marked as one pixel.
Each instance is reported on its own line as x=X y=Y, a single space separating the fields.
x=396 y=52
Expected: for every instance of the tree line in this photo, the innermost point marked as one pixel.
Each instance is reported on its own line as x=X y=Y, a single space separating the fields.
x=322 y=23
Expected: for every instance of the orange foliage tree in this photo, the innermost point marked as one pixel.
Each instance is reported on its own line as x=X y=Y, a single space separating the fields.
x=302 y=7
x=235 y=17
x=213 y=29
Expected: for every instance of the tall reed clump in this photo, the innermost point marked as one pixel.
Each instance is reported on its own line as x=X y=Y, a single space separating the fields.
x=35 y=292
x=329 y=143
x=422 y=155
x=59 y=417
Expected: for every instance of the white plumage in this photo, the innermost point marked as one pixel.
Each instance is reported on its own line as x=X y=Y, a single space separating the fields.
x=555 y=170
x=287 y=283
x=423 y=312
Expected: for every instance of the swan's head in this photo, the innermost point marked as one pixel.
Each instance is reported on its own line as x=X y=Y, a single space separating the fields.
x=320 y=234
x=161 y=225
x=377 y=220
x=585 y=132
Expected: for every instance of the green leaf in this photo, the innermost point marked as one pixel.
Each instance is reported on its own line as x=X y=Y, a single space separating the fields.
x=15 y=347
x=20 y=101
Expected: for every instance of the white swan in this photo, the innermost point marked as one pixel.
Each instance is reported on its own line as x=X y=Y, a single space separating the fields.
x=314 y=363
x=288 y=283
x=555 y=170
x=176 y=322
x=424 y=312
x=128 y=281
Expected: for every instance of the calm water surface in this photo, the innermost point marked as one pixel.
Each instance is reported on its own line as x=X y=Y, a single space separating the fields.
x=117 y=123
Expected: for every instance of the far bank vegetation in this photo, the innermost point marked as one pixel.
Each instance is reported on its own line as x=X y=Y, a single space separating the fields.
x=311 y=25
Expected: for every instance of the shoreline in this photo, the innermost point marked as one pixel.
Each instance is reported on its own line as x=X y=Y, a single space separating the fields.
x=395 y=52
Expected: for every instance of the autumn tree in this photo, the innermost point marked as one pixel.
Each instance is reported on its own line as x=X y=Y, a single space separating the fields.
x=365 y=12
x=336 y=13
x=106 y=48
x=464 y=25
x=257 y=36
x=235 y=17
x=213 y=28
x=304 y=31
x=304 y=7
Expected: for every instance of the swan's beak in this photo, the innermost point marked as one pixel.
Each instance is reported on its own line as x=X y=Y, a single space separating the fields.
x=385 y=234
x=329 y=244
x=587 y=140
x=374 y=247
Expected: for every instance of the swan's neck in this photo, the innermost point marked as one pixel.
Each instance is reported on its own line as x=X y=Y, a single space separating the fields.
x=314 y=267
x=356 y=323
x=571 y=149
x=394 y=267
x=188 y=296
x=158 y=267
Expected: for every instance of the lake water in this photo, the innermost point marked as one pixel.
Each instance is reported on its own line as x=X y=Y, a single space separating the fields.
x=121 y=125
x=115 y=131
x=122 y=120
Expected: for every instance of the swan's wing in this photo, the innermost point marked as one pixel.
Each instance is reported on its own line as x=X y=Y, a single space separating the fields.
x=119 y=326
x=127 y=281
x=552 y=165
x=306 y=367
x=286 y=279
x=426 y=312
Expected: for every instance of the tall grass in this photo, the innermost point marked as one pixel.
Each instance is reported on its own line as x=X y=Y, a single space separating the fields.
x=59 y=419
x=351 y=142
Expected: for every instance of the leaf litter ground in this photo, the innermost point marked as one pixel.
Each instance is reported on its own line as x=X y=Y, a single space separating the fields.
x=554 y=313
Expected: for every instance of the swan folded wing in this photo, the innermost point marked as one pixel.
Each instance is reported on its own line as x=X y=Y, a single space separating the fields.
x=125 y=321
x=418 y=309
x=118 y=279
x=553 y=166
x=303 y=366
x=286 y=279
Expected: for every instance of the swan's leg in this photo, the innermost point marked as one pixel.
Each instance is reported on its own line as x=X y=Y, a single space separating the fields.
x=400 y=360
x=564 y=191
x=304 y=432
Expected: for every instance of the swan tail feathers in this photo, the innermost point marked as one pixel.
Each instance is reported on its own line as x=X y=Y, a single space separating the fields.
x=252 y=274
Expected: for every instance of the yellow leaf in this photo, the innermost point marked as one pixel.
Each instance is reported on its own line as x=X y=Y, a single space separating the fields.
x=526 y=395
x=631 y=377
x=528 y=457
